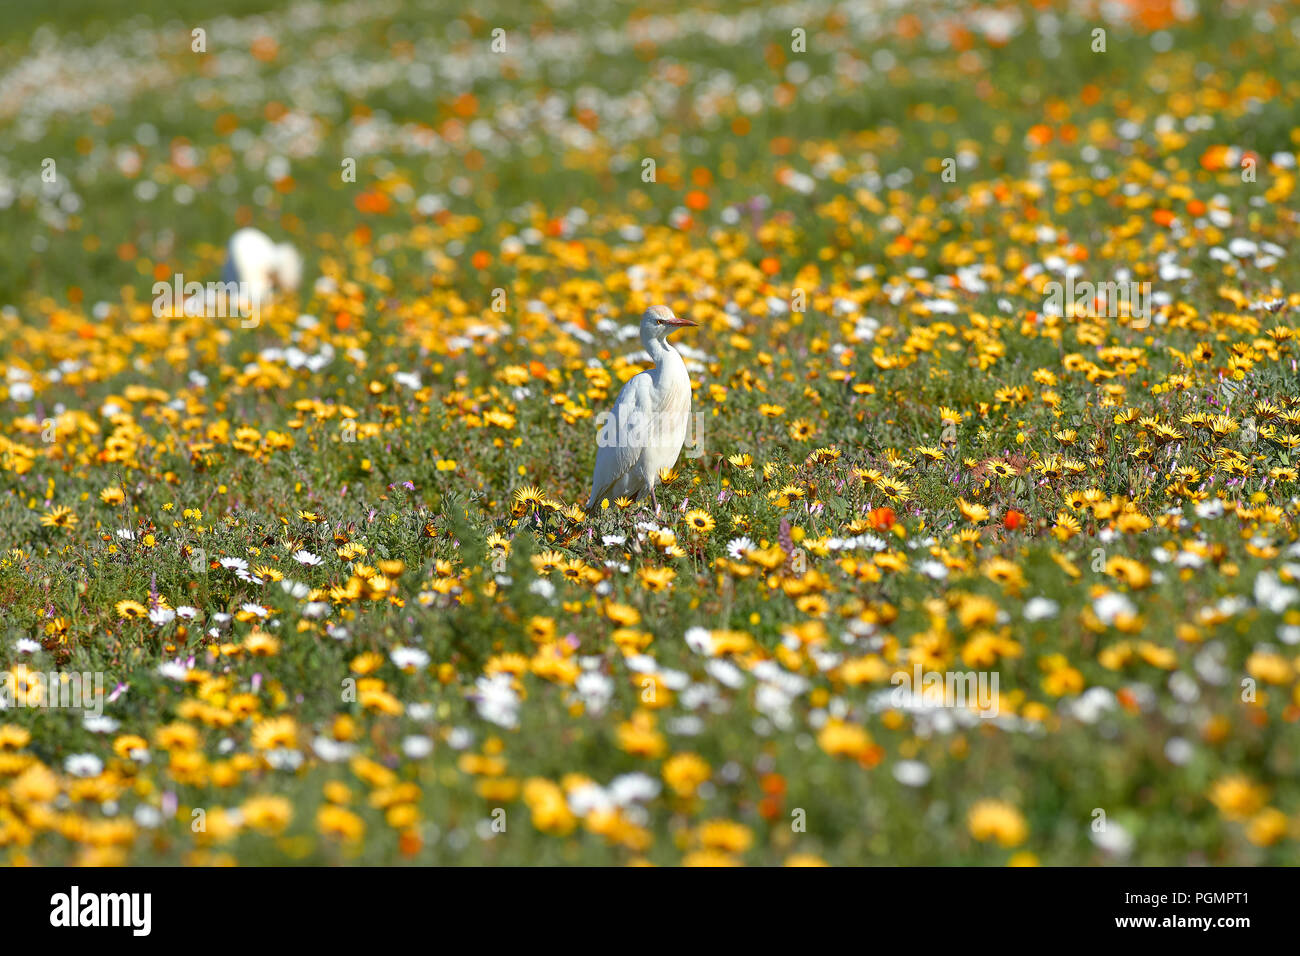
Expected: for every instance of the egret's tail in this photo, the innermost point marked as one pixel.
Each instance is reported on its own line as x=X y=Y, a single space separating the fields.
x=593 y=504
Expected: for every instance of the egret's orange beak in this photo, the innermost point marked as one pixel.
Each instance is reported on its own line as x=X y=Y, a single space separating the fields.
x=677 y=320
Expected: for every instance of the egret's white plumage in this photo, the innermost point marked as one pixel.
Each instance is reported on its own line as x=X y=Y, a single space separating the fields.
x=647 y=425
x=261 y=264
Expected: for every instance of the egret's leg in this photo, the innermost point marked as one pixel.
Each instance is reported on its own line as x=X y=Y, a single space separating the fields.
x=654 y=499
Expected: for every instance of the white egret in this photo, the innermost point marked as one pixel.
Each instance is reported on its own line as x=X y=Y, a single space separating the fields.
x=262 y=265
x=646 y=429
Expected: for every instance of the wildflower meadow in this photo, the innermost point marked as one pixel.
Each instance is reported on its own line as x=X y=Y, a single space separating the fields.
x=982 y=546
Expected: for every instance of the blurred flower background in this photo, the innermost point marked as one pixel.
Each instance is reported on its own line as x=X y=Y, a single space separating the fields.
x=332 y=564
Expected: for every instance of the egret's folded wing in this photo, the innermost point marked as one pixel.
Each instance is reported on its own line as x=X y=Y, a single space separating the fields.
x=622 y=436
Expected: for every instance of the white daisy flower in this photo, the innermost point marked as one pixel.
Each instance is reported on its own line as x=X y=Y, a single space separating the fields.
x=83 y=765
x=738 y=548
x=161 y=616
x=699 y=640
x=409 y=658
x=417 y=746
x=99 y=724
x=911 y=773
x=1040 y=608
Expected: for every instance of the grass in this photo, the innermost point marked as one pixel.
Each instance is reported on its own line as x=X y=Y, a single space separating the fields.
x=333 y=568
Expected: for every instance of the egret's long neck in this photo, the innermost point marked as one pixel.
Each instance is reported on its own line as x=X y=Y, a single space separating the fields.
x=657 y=347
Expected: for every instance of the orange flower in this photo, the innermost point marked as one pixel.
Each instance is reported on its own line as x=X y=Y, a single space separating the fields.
x=465 y=105
x=373 y=201
x=1214 y=158
x=265 y=48
x=882 y=519
x=1039 y=134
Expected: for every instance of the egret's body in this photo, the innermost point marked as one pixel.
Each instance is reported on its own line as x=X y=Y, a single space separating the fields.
x=262 y=265
x=647 y=425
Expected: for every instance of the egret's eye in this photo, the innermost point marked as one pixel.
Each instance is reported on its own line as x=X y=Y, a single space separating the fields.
x=659 y=321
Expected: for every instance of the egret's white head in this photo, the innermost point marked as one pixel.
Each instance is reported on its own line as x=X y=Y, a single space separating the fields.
x=286 y=269
x=658 y=321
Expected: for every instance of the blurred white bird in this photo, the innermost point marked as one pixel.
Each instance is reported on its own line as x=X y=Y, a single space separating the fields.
x=646 y=429
x=262 y=265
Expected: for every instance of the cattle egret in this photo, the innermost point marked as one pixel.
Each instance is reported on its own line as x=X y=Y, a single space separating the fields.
x=646 y=429
x=260 y=264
